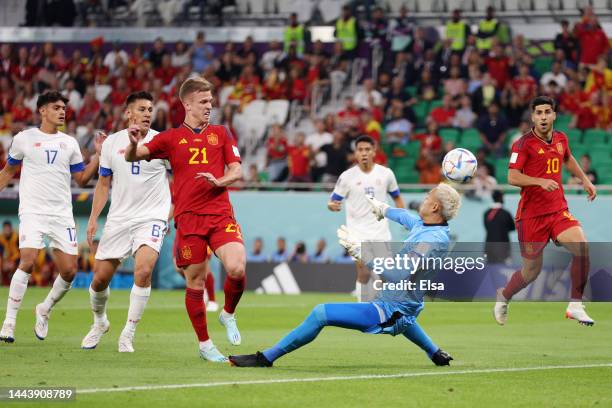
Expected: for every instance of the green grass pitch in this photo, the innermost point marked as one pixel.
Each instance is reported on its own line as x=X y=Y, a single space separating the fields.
x=572 y=365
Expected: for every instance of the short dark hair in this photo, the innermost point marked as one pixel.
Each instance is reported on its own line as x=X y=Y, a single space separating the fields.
x=498 y=196
x=7 y=222
x=543 y=100
x=134 y=96
x=366 y=139
x=50 y=97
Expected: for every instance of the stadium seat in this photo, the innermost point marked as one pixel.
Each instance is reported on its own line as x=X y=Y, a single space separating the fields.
x=330 y=9
x=599 y=157
x=421 y=110
x=562 y=122
x=501 y=171
x=259 y=6
x=464 y=5
x=277 y=111
x=255 y=108
x=592 y=136
x=574 y=136
x=224 y=94
x=542 y=64
x=471 y=136
x=435 y=103
x=449 y=134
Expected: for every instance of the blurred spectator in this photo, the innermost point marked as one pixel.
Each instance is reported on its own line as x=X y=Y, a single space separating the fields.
x=485 y=95
x=556 y=75
x=338 y=157
x=272 y=56
x=247 y=54
x=524 y=127
x=487 y=30
x=600 y=77
x=431 y=142
x=498 y=223
x=566 y=41
x=371 y=126
x=315 y=141
x=458 y=31
x=181 y=55
x=349 y=117
x=110 y=60
x=87 y=258
x=228 y=71
x=482 y=159
x=455 y=85
x=202 y=54
x=280 y=254
x=256 y=254
x=9 y=244
x=498 y=66
x=427 y=88
x=483 y=183
x=277 y=154
x=585 y=163
x=157 y=53
x=493 y=127
x=299 y=253
x=296 y=86
x=593 y=41
x=398 y=128
x=274 y=87
x=524 y=85
x=252 y=176
x=295 y=33
x=368 y=92
x=161 y=121
x=401 y=30
x=299 y=160
x=344 y=258
x=464 y=117
x=320 y=255
x=445 y=114
x=347 y=32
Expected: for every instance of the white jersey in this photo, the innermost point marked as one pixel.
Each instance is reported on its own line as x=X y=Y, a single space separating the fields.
x=353 y=185
x=140 y=190
x=47 y=163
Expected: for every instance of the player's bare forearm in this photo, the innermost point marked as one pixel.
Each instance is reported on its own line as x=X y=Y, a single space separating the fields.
x=517 y=178
x=574 y=168
x=83 y=177
x=233 y=174
x=6 y=175
x=135 y=153
x=100 y=197
x=399 y=202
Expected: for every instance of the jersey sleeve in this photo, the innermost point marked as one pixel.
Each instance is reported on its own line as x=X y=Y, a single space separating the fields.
x=392 y=187
x=567 y=152
x=105 y=159
x=402 y=217
x=519 y=155
x=341 y=189
x=159 y=146
x=231 y=154
x=16 y=152
x=76 y=158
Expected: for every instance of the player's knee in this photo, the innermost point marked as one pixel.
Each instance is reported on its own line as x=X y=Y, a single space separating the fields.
x=319 y=314
x=99 y=283
x=68 y=273
x=26 y=265
x=235 y=269
x=143 y=271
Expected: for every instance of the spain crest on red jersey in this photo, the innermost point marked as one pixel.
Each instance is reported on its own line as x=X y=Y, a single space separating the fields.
x=213 y=139
x=560 y=148
x=186 y=252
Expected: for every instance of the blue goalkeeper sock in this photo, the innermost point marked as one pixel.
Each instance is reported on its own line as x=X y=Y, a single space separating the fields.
x=417 y=335
x=357 y=316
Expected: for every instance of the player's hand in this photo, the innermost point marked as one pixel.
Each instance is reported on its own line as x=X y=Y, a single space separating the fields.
x=548 y=184
x=134 y=134
x=99 y=138
x=590 y=189
x=210 y=178
x=378 y=207
x=92 y=227
x=334 y=205
x=348 y=242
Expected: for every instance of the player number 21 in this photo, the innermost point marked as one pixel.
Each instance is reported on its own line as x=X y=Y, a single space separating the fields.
x=552 y=166
x=195 y=156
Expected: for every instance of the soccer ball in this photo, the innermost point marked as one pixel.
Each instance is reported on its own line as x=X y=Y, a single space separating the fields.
x=459 y=165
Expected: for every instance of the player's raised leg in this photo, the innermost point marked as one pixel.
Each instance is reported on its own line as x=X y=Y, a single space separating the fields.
x=104 y=269
x=17 y=290
x=67 y=266
x=519 y=280
x=233 y=258
x=575 y=241
x=196 y=309
x=145 y=259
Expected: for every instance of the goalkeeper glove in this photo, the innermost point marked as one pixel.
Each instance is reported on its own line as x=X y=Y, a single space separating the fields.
x=378 y=207
x=349 y=243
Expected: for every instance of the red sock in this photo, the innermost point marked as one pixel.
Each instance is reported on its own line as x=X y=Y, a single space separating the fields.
x=579 y=274
x=514 y=285
x=233 y=289
x=194 y=302
x=210 y=286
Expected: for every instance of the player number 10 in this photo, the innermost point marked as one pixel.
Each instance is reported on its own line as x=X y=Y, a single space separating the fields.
x=552 y=166
x=195 y=156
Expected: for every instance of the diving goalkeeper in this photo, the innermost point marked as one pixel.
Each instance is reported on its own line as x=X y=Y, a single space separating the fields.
x=395 y=311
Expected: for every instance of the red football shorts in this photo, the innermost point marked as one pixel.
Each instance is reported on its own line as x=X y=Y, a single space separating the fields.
x=534 y=232
x=195 y=233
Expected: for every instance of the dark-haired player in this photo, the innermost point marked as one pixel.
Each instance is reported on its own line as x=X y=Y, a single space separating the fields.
x=542 y=214
x=199 y=154
x=48 y=158
x=354 y=185
x=136 y=221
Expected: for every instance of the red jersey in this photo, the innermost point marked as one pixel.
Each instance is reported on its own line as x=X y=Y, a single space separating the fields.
x=299 y=161
x=536 y=158
x=190 y=153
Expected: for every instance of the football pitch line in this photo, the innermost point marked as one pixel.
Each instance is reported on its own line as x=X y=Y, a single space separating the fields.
x=339 y=378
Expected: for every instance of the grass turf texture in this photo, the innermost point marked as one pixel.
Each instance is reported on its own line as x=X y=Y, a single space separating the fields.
x=537 y=335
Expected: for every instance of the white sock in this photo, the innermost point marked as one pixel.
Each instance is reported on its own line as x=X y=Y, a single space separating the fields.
x=359 y=289
x=224 y=314
x=205 y=345
x=98 y=304
x=138 y=301
x=19 y=284
x=57 y=292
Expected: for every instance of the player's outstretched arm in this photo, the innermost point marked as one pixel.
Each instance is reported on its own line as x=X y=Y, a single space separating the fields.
x=133 y=151
x=6 y=175
x=517 y=178
x=99 y=201
x=575 y=170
